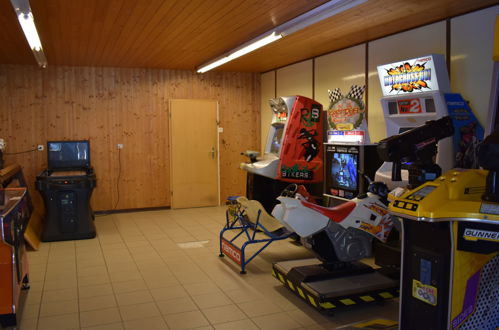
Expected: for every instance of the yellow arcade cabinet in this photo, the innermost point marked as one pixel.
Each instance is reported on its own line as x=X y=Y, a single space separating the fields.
x=450 y=263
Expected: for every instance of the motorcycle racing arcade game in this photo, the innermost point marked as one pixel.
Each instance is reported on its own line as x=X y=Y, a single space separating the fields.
x=66 y=187
x=293 y=152
x=450 y=264
x=339 y=237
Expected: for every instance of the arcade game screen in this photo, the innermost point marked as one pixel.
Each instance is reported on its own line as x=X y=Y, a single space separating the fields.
x=275 y=145
x=344 y=171
x=68 y=154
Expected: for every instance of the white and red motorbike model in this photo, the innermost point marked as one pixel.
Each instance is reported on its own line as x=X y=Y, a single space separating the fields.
x=337 y=234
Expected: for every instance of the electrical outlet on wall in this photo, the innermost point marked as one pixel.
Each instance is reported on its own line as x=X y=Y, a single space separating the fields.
x=120 y=145
x=40 y=147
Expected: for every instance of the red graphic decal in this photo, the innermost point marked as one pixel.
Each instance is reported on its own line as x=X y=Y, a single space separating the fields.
x=231 y=251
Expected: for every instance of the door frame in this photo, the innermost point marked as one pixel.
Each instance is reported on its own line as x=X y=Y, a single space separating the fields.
x=170 y=136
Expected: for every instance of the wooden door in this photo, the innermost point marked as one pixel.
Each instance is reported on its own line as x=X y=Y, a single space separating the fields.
x=194 y=158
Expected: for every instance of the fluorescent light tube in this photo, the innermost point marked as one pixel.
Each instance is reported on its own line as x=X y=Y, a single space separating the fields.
x=255 y=45
x=28 y=25
x=27 y=22
x=213 y=65
x=313 y=16
x=242 y=50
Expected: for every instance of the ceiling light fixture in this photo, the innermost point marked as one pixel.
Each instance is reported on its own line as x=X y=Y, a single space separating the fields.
x=313 y=16
x=241 y=50
x=25 y=17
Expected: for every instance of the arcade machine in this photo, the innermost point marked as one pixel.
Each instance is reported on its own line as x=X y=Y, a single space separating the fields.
x=416 y=91
x=341 y=235
x=349 y=156
x=14 y=217
x=66 y=186
x=450 y=264
x=413 y=93
x=293 y=150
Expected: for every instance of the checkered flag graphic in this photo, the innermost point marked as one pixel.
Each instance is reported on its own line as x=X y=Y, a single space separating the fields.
x=356 y=92
x=334 y=95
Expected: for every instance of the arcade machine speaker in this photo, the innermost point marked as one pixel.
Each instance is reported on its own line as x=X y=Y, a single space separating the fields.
x=66 y=187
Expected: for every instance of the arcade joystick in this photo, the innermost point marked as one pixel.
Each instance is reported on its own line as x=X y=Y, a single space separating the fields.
x=251 y=154
x=488 y=158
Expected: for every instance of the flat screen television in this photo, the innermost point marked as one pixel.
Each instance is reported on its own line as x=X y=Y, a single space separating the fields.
x=68 y=155
x=345 y=166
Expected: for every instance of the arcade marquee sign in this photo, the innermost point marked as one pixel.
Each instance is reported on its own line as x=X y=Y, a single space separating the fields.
x=417 y=75
x=346 y=116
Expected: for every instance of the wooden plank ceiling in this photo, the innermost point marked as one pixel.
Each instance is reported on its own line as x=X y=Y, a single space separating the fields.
x=184 y=34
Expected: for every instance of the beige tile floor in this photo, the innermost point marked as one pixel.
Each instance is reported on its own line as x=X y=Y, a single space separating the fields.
x=139 y=273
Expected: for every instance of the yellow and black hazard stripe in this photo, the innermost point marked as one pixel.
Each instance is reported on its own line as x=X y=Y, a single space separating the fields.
x=328 y=304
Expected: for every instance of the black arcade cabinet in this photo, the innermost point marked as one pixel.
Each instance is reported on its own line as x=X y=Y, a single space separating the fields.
x=66 y=186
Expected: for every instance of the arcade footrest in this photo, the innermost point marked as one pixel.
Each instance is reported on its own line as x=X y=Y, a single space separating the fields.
x=328 y=295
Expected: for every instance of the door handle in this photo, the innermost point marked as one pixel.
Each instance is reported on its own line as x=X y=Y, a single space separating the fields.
x=212 y=152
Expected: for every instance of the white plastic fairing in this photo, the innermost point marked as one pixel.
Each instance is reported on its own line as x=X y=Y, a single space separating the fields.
x=278 y=213
x=266 y=167
x=299 y=219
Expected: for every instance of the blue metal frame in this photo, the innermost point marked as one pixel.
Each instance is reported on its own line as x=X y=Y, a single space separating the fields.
x=243 y=226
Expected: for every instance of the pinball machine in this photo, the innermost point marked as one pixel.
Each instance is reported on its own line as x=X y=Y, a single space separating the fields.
x=14 y=217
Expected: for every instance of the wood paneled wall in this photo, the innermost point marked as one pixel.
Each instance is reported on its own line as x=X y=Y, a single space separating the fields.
x=129 y=106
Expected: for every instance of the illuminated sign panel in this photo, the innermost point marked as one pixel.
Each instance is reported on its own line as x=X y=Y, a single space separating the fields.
x=417 y=75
